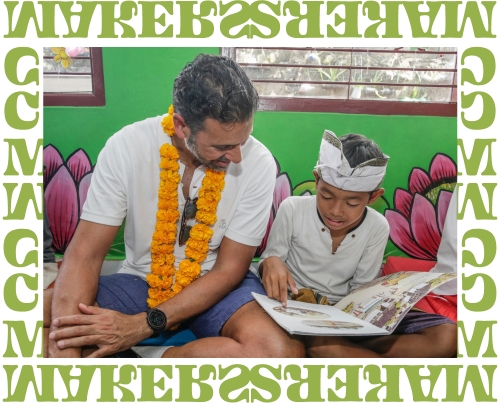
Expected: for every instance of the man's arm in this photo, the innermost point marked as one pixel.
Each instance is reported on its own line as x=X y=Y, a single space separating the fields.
x=233 y=261
x=79 y=274
x=113 y=331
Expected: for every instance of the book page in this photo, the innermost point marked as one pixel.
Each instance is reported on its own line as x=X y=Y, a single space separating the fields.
x=312 y=319
x=385 y=301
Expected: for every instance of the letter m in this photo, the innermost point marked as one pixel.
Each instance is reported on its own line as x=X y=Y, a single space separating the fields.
x=27 y=163
x=473 y=345
x=26 y=345
x=478 y=150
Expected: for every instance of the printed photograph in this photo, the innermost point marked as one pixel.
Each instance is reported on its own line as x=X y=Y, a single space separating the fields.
x=331 y=324
x=299 y=312
x=328 y=167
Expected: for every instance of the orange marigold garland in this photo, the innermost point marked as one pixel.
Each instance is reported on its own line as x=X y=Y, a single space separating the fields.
x=165 y=280
x=168 y=122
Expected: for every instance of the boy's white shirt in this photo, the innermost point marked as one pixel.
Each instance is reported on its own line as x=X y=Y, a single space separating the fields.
x=125 y=184
x=300 y=239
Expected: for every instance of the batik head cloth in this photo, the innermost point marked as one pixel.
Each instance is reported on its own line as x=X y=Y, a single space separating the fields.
x=335 y=170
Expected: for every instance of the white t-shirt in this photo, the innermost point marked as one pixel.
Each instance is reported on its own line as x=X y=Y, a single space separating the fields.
x=125 y=185
x=301 y=240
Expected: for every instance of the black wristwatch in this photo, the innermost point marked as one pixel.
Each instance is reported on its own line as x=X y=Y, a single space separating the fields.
x=157 y=321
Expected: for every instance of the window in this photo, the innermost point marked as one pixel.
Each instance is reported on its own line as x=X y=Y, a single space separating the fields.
x=383 y=81
x=73 y=77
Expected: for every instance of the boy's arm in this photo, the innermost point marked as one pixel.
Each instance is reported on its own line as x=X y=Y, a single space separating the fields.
x=274 y=273
x=276 y=278
x=371 y=260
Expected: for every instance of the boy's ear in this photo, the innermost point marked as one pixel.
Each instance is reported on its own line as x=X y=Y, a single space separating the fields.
x=375 y=195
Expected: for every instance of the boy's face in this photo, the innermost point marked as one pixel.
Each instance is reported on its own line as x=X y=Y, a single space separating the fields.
x=340 y=209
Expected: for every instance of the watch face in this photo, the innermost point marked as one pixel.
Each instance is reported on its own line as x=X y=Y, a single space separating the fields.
x=157 y=319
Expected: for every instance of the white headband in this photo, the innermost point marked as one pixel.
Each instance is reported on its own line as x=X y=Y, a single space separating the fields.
x=334 y=169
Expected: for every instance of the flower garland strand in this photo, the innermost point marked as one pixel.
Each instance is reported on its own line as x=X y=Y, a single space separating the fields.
x=165 y=280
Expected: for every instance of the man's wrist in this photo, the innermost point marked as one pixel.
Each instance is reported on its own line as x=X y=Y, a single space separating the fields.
x=145 y=330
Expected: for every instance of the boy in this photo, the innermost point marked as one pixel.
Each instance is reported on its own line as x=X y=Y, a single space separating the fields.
x=332 y=243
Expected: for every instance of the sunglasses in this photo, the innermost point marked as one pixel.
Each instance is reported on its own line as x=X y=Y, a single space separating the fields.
x=189 y=213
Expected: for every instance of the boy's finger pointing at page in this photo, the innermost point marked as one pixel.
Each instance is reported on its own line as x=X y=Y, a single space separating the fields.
x=283 y=290
x=291 y=283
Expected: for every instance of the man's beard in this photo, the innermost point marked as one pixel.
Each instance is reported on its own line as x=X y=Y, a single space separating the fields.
x=192 y=146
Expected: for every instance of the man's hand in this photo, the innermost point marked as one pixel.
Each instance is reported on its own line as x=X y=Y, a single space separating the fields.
x=276 y=278
x=111 y=331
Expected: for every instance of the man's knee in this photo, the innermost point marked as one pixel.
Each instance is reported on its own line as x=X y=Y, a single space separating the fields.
x=279 y=347
x=259 y=336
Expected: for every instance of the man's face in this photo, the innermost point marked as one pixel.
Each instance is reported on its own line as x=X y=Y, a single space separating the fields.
x=218 y=144
x=340 y=209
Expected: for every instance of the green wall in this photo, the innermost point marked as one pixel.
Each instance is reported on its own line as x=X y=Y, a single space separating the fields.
x=410 y=141
x=138 y=84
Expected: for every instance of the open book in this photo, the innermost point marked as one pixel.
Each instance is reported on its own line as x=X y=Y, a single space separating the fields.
x=375 y=308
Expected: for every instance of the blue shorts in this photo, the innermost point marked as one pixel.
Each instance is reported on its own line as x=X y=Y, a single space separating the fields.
x=127 y=294
x=418 y=320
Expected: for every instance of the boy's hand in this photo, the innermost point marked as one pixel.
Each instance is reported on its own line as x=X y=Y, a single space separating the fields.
x=276 y=278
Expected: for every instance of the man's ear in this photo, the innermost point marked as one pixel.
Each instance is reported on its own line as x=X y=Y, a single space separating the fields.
x=180 y=126
x=375 y=195
x=316 y=176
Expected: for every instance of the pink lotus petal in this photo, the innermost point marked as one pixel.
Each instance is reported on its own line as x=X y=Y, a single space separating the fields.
x=443 y=202
x=402 y=201
x=83 y=188
x=79 y=164
x=442 y=167
x=419 y=181
x=401 y=235
x=72 y=52
x=61 y=203
x=424 y=225
x=263 y=245
x=282 y=190
x=52 y=159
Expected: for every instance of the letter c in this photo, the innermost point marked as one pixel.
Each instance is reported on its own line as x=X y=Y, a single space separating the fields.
x=10 y=292
x=489 y=292
x=11 y=113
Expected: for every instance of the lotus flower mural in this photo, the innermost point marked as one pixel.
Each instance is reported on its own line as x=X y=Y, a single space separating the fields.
x=417 y=220
x=66 y=186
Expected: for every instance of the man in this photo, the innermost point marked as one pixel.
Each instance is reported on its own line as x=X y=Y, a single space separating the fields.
x=214 y=104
